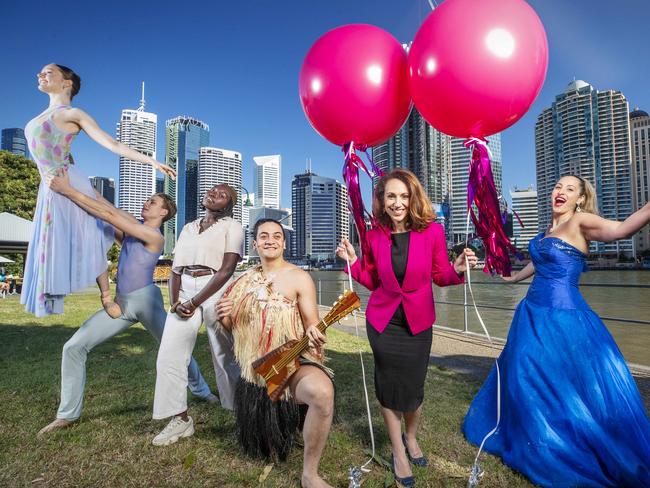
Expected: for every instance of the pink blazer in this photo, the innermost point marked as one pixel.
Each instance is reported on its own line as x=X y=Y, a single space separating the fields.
x=427 y=261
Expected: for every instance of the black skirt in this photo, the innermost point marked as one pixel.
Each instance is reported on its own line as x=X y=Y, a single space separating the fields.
x=401 y=361
x=401 y=358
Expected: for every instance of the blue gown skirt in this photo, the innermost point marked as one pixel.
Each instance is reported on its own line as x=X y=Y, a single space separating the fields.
x=571 y=412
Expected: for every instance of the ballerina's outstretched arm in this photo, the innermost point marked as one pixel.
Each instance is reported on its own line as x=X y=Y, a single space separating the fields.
x=596 y=228
x=86 y=123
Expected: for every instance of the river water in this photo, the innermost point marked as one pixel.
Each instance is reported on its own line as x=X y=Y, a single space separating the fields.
x=625 y=303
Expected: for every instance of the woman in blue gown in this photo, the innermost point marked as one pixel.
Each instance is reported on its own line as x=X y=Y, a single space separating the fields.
x=571 y=413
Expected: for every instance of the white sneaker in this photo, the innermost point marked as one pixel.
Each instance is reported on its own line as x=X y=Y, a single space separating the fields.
x=176 y=428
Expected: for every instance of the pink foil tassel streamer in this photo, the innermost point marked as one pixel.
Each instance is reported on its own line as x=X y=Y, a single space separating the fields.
x=351 y=177
x=489 y=222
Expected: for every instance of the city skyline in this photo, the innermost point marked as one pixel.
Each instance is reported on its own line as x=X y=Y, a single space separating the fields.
x=254 y=107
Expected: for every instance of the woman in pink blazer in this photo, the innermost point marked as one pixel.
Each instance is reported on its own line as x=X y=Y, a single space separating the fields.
x=407 y=252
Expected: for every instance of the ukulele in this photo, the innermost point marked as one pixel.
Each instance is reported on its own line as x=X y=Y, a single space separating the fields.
x=278 y=365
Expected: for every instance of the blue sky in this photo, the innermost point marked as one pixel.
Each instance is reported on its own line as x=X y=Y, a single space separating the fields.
x=235 y=66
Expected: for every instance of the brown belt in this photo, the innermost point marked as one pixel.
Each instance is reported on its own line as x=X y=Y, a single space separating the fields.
x=194 y=273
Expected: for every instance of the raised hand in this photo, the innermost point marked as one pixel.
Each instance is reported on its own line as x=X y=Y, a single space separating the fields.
x=166 y=170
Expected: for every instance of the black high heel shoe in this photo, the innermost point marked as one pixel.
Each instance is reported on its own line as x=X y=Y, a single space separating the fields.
x=423 y=462
x=407 y=482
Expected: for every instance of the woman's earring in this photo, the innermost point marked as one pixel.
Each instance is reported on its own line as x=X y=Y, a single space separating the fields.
x=578 y=208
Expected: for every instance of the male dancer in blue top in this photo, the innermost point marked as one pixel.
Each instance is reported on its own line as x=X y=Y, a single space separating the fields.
x=140 y=300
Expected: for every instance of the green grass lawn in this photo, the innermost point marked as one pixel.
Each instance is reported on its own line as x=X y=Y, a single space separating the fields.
x=111 y=445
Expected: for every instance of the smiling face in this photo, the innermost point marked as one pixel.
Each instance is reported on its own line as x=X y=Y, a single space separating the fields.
x=269 y=241
x=50 y=80
x=396 y=201
x=216 y=198
x=566 y=195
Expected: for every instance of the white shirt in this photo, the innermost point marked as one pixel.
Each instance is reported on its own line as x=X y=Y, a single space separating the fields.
x=196 y=248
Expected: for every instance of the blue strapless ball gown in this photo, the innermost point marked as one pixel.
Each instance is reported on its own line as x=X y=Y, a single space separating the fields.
x=571 y=413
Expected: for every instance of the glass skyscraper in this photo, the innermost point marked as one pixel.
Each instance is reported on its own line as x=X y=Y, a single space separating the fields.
x=184 y=137
x=319 y=214
x=13 y=140
x=105 y=186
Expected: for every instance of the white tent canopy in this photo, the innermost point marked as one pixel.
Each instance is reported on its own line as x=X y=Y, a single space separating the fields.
x=15 y=233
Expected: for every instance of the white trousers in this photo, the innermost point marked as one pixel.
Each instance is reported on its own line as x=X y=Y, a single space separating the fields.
x=176 y=348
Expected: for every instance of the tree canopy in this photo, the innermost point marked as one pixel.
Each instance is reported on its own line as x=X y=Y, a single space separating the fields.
x=19 y=180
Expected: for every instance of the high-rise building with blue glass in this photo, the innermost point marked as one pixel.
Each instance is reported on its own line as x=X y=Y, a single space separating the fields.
x=586 y=132
x=13 y=140
x=319 y=214
x=184 y=137
x=105 y=186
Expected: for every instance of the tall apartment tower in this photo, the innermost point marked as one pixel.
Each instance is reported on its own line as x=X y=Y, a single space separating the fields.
x=524 y=202
x=137 y=181
x=423 y=150
x=266 y=180
x=640 y=141
x=14 y=141
x=319 y=215
x=586 y=132
x=184 y=137
x=221 y=166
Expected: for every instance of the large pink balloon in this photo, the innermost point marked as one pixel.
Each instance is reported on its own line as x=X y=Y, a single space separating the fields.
x=354 y=85
x=476 y=66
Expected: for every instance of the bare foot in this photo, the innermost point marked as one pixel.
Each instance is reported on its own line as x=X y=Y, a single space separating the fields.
x=57 y=424
x=313 y=481
x=112 y=309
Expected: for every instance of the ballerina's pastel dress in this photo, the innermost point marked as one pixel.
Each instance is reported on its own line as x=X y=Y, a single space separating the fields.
x=68 y=247
x=571 y=413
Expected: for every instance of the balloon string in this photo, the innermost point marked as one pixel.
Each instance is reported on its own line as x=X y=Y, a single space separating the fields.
x=476 y=469
x=364 y=467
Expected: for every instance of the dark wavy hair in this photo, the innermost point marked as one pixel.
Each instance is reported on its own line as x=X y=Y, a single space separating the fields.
x=420 y=211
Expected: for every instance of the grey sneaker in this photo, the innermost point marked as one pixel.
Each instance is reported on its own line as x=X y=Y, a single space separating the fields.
x=211 y=399
x=176 y=428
